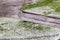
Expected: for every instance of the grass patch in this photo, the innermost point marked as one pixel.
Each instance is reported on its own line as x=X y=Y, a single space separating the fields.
x=54 y=4
x=57 y=9
x=30 y=26
x=25 y=24
x=45 y=2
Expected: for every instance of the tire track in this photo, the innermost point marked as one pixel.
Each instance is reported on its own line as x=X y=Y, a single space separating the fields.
x=41 y=19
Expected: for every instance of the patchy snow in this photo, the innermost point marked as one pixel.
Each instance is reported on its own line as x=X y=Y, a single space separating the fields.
x=12 y=30
x=40 y=10
x=44 y=10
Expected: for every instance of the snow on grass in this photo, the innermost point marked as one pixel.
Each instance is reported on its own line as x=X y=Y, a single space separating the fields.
x=15 y=28
x=40 y=10
x=51 y=9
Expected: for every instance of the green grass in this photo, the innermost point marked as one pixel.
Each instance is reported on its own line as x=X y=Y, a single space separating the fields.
x=57 y=9
x=2 y=29
x=50 y=3
x=55 y=5
x=45 y=2
x=28 y=26
x=25 y=24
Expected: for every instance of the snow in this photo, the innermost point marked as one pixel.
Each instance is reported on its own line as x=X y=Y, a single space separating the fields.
x=15 y=31
x=39 y=10
x=42 y=10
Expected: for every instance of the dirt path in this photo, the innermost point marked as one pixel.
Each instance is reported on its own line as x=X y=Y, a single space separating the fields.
x=46 y=20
